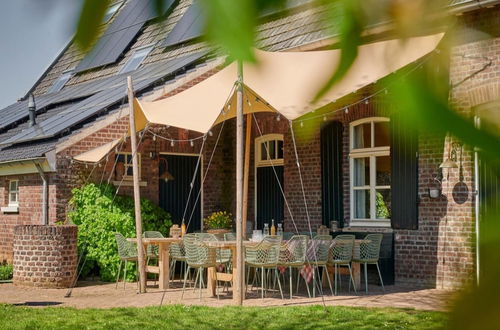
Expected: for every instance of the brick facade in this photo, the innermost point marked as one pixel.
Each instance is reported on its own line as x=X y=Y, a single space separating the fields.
x=45 y=256
x=440 y=253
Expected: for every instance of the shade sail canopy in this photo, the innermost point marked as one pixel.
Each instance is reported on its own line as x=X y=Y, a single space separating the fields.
x=285 y=82
x=96 y=154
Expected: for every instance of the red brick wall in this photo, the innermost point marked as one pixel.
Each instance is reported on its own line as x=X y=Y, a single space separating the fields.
x=30 y=207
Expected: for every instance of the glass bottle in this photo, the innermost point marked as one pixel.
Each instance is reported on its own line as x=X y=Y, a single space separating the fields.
x=266 y=229
x=183 y=228
x=273 y=228
x=280 y=229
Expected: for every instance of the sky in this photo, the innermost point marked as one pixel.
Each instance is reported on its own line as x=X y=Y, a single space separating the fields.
x=32 y=33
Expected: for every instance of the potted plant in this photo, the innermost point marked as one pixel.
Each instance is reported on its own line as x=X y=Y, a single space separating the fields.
x=218 y=223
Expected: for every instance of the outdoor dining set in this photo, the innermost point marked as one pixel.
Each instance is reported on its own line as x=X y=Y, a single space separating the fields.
x=269 y=262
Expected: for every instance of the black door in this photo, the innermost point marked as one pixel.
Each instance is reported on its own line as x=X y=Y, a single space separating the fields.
x=174 y=190
x=270 y=200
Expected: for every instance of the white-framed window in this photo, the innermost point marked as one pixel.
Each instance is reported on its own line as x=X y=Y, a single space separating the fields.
x=136 y=59
x=14 y=193
x=125 y=158
x=111 y=11
x=370 y=172
x=61 y=81
x=269 y=150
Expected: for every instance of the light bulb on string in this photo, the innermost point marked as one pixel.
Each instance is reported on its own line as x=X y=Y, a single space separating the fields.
x=278 y=118
x=154 y=137
x=301 y=124
x=249 y=104
x=210 y=133
x=324 y=118
x=346 y=110
x=366 y=101
x=172 y=143
x=191 y=142
x=385 y=91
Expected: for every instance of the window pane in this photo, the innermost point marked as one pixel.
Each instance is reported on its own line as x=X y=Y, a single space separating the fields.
x=362 y=204
x=361 y=172
x=263 y=151
x=383 y=168
x=272 y=149
x=13 y=185
x=362 y=136
x=383 y=203
x=13 y=198
x=280 y=149
x=382 y=134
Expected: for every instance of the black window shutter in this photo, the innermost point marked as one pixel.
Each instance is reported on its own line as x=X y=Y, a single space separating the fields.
x=404 y=174
x=331 y=173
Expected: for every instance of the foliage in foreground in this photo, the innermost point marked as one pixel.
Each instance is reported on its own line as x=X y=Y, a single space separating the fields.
x=200 y=317
x=6 y=271
x=99 y=213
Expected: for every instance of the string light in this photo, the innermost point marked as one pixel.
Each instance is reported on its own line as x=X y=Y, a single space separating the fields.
x=154 y=137
x=385 y=91
x=346 y=110
x=301 y=124
x=210 y=133
x=366 y=101
x=324 y=118
x=191 y=142
x=249 y=104
x=278 y=118
x=172 y=143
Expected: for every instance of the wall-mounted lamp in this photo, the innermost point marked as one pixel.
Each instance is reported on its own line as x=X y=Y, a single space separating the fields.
x=165 y=174
x=451 y=161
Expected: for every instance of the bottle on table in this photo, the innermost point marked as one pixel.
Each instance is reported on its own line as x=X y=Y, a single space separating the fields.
x=183 y=228
x=266 y=229
x=280 y=229
x=273 y=228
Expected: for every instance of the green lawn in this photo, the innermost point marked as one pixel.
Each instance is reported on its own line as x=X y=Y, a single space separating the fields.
x=197 y=317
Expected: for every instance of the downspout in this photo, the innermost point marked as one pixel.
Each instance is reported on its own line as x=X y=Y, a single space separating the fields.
x=477 y=122
x=45 y=194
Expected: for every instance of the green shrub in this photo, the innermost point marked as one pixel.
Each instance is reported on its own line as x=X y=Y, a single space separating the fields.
x=98 y=213
x=6 y=271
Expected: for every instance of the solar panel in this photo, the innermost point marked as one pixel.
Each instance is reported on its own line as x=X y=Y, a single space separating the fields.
x=89 y=107
x=120 y=33
x=189 y=27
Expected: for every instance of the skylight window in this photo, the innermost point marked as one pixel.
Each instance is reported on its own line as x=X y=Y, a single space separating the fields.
x=61 y=81
x=111 y=12
x=136 y=59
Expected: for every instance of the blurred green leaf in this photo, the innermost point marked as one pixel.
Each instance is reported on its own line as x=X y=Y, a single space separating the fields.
x=89 y=22
x=350 y=28
x=231 y=24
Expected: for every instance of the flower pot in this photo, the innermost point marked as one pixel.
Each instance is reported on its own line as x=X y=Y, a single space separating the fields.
x=218 y=231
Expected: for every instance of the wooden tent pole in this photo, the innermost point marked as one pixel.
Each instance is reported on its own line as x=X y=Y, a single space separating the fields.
x=246 y=173
x=240 y=271
x=137 y=198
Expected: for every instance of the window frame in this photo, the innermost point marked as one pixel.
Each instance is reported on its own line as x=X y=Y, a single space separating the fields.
x=111 y=14
x=16 y=192
x=371 y=153
x=64 y=78
x=148 y=49
x=126 y=165
x=259 y=162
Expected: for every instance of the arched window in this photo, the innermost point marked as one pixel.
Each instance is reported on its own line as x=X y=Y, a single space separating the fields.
x=370 y=172
x=269 y=150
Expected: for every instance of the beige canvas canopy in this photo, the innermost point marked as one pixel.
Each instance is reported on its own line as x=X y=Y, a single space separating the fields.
x=285 y=82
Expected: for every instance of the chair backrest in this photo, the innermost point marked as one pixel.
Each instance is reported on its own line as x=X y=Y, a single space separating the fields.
x=342 y=248
x=152 y=234
x=230 y=236
x=126 y=249
x=266 y=252
x=295 y=249
x=370 y=250
x=177 y=250
x=318 y=248
x=197 y=253
x=206 y=236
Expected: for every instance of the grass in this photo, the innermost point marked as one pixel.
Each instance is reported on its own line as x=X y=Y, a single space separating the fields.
x=199 y=317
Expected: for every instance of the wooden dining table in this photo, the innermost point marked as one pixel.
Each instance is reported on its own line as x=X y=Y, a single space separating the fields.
x=163 y=268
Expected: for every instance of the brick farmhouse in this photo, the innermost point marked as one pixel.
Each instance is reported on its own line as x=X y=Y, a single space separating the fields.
x=428 y=240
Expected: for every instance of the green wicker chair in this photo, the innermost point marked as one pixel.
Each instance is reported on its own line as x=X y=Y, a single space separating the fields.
x=265 y=255
x=152 y=250
x=127 y=251
x=230 y=236
x=223 y=255
x=198 y=256
x=293 y=256
x=369 y=253
x=318 y=258
x=177 y=254
x=341 y=255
